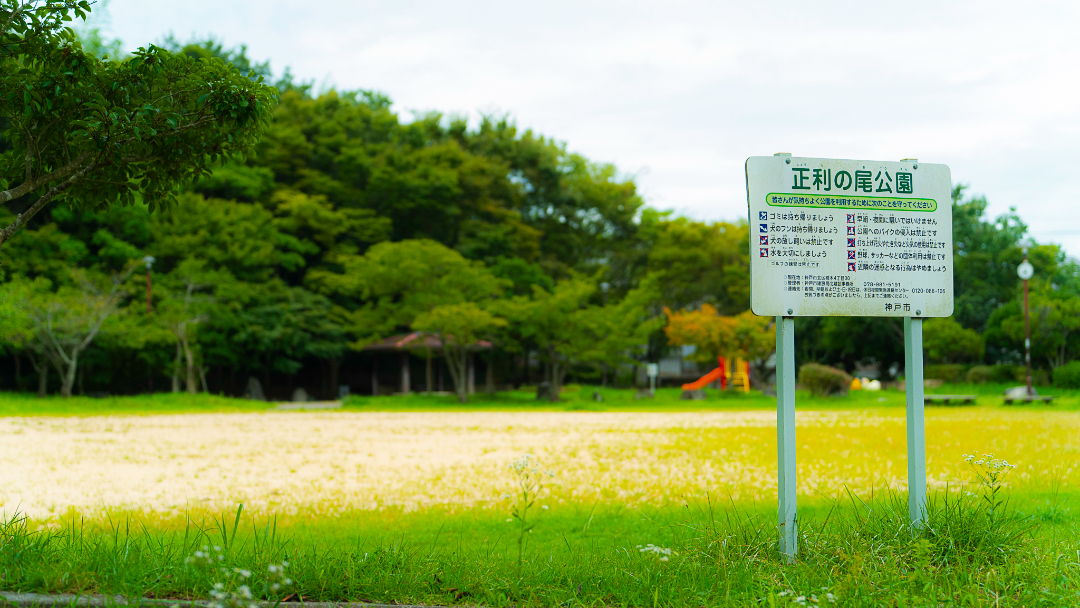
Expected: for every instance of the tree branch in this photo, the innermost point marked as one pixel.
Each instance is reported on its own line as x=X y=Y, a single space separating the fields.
x=24 y=217
x=33 y=184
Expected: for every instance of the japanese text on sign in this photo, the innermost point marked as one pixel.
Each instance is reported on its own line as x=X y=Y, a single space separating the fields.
x=841 y=237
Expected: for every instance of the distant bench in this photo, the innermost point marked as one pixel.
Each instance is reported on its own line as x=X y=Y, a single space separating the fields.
x=1026 y=399
x=949 y=399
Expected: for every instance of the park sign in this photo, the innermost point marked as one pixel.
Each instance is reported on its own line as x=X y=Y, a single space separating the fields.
x=849 y=237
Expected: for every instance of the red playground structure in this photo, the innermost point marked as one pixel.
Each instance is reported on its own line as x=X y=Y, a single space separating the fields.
x=740 y=375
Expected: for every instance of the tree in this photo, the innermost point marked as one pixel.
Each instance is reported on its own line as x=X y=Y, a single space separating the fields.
x=459 y=327
x=100 y=131
x=399 y=281
x=710 y=333
x=272 y=327
x=985 y=255
x=16 y=328
x=1055 y=327
x=183 y=313
x=745 y=336
x=67 y=321
x=946 y=341
x=549 y=320
x=695 y=263
x=614 y=334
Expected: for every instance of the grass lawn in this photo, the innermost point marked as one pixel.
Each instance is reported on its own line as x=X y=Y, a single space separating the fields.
x=573 y=398
x=653 y=503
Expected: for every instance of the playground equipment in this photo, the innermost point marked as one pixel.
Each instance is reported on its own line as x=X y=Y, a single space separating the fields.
x=736 y=373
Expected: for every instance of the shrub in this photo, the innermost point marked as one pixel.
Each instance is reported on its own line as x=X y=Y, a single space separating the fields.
x=1039 y=377
x=823 y=380
x=1004 y=374
x=949 y=372
x=1068 y=375
x=946 y=340
x=980 y=374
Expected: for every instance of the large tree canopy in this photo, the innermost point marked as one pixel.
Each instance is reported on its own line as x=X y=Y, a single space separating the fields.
x=102 y=131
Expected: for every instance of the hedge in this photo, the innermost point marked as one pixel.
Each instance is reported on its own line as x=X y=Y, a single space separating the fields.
x=823 y=380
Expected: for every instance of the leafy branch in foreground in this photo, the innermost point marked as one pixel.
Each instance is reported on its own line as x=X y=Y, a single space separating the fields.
x=101 y=131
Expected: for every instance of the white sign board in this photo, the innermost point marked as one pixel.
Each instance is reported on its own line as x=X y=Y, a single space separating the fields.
x=652 y=370
x=849 y=237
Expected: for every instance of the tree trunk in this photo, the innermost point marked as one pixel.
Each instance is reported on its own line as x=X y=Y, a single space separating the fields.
x=489 y=375
x=42 y=368
x=470 y=373
x=176 y=370
x=69 y=377
x=335 y=368
x=190 y=356
x=458 y=363
x=427 y=372
x=555 y=372
x=374 y=376
x=202 y=376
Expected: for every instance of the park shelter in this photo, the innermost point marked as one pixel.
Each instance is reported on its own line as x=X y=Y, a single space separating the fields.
x=395 y=352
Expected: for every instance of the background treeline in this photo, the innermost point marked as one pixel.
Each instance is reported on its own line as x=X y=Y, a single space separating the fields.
x=348 y=224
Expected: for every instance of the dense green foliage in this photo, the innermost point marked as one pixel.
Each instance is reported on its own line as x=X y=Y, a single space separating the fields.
x=98 y=131
x=348 y=223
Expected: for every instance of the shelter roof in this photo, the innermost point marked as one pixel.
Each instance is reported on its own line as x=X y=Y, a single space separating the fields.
x=417 y=340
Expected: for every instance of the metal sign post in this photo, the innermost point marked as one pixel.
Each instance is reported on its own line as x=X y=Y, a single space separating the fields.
x=856 y=238
x=916 y=428
x=785 y=435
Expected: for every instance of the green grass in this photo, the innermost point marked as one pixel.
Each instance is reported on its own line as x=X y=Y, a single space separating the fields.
x=575 y=399
x=856 y=548
x=722 y=555
x=29 y=404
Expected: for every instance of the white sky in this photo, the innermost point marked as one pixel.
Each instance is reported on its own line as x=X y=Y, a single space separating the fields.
x=680 y=93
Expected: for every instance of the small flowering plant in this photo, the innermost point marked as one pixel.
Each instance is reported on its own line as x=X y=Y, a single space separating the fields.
x=530 y=477
x=808 y=600
x=231 y=586
x=662 y=554
x=991 y=473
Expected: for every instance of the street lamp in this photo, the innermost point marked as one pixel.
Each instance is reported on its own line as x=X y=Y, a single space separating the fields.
x=1025 y=272
x=149 y=261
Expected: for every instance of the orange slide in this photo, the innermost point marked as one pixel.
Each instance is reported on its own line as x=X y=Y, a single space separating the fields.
x=714 y=375
x=703 y=381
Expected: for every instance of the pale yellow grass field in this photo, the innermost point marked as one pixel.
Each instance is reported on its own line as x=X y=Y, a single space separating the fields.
x=337 y=461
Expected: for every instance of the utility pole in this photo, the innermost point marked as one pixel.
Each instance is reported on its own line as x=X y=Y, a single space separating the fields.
x=603 y=366
x=1025 y=272
x=149 y=261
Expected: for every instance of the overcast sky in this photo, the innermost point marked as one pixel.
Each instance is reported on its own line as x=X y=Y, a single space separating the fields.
x=680 y=93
